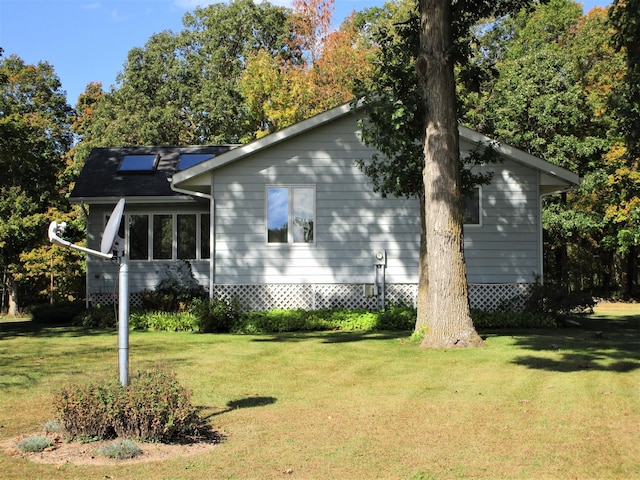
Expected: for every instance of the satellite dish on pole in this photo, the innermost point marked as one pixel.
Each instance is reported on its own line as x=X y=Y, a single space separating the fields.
x=110 y=242
x=110 y=234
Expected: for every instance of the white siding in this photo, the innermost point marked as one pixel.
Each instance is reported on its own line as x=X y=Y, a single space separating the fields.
x=505 y=249
x=352 y=221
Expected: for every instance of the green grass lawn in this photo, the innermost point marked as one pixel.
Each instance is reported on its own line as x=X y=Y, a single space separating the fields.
x=554 y=404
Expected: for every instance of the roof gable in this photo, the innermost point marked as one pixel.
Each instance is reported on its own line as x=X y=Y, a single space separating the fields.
x=553 y=178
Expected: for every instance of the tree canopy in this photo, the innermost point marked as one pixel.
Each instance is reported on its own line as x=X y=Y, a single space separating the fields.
x=34 y=138
x=181 y=88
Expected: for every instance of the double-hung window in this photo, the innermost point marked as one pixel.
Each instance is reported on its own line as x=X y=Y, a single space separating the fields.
x=291 y=214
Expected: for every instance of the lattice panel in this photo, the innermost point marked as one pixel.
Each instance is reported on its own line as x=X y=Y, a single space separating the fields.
x=312 y=296
x=268 y=296
x=491 y=296
x=400 y=292
x=135 y=299
x=342 y=296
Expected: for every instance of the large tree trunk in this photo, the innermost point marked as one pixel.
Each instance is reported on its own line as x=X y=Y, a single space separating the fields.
x=446 y=319
x=12 y=291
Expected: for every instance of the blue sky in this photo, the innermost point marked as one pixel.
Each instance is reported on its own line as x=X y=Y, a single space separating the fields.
x=88 y=40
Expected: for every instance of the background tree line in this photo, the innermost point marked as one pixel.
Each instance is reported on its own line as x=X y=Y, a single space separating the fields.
x=540 y=75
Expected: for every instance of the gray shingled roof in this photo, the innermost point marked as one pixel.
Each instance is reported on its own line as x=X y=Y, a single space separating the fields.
x=100 y=177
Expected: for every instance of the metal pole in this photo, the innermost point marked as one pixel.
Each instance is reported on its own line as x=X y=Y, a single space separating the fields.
x=51 y=282
x=383 y=267
x=123 y=321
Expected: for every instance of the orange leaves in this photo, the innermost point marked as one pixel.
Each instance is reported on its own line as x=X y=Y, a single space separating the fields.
x=279 y=93
x=312 y=19
x=624 y=211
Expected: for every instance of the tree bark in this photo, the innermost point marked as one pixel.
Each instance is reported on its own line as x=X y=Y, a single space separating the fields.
x=423 y=274
x=446 y=318
x=12 y=290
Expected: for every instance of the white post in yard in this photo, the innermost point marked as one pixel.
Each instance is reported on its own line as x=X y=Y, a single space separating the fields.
x=123 y=320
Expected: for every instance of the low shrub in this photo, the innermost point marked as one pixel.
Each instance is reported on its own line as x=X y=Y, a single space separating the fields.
x=153 y=407
x=176 y=291
x=57 y=313
x=120 y=449
x=216 y=316
x=558 y=302
x=551 y=300
x=278 y=321
x=484 y=320
x=396 y=317
x=100 y=316
x=34 y=444
x=86 y=411
x=163 y=321
x=52 y=426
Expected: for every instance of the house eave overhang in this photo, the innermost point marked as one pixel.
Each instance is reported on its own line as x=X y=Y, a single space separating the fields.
x=132 y=200
x=553 y=179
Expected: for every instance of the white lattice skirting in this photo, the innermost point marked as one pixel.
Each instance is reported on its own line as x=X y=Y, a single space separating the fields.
x=135 y=299
x=314 y=296
x=484 y=296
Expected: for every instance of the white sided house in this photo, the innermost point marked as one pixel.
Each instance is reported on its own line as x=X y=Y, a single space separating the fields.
x=289 y=220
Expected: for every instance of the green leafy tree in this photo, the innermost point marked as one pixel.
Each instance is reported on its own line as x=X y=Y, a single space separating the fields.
x=537 y=103
x=181 y=88
x=624 y=16
x=555 y=72
x=34 y=136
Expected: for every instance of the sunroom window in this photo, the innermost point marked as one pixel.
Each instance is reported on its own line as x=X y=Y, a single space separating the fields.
x=167 y=236
x=291 y=214
x=138 y=237
x=162 y=237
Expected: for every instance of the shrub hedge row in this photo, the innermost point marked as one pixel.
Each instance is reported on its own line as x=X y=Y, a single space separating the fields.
x=225 y=317
x=220 y=316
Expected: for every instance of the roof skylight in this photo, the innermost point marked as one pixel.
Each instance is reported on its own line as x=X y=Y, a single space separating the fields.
x=190 y=159
x=138 y=163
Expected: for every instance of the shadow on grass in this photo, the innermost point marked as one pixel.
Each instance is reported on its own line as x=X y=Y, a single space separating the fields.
x=598 y=343
x=335 y=336
x=248 y=402
x=26 y=370
x=28 y=328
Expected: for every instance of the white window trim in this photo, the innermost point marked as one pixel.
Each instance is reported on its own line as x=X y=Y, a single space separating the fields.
x=290 y=242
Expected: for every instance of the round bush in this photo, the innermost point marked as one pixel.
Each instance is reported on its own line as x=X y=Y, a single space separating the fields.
x=120 y=449
x=153 y=407
x=34 y=444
